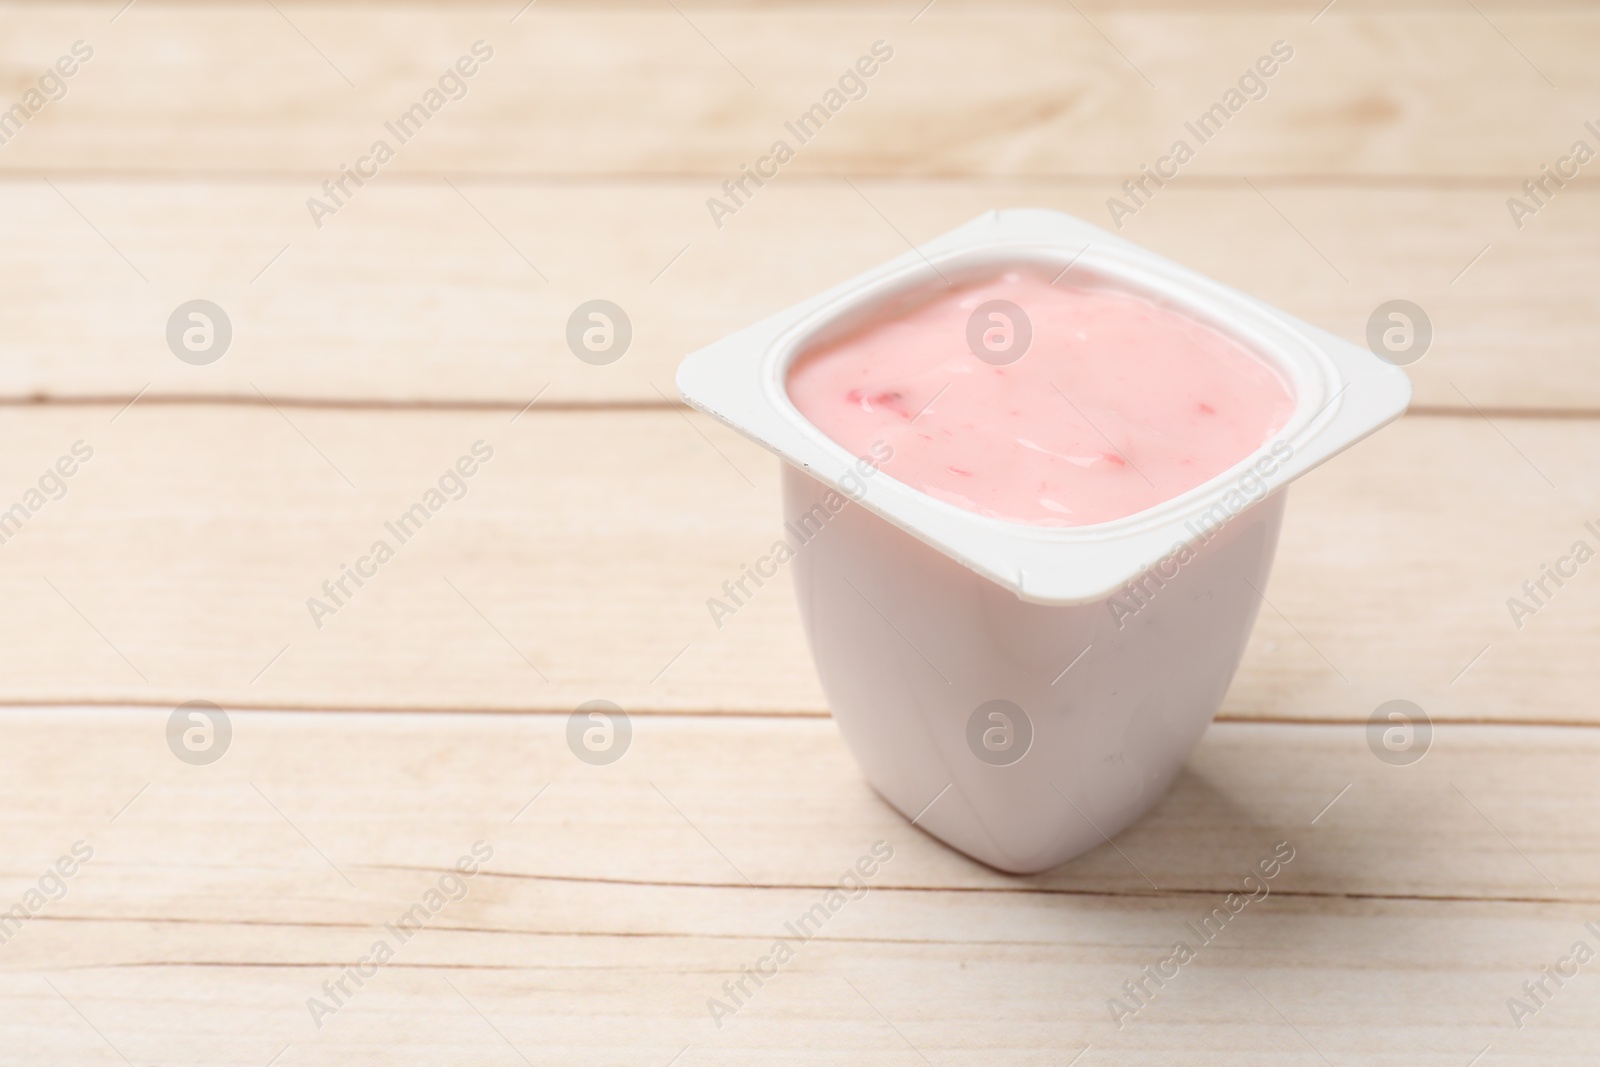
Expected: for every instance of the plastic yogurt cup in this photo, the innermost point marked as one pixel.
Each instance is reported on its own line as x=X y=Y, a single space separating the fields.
x=1023 y=690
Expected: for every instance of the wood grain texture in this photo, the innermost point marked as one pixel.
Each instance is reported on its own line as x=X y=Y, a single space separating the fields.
x=617 y=903
x=424 y=293
x=579 y=564
x=644 y=89
x=373 y=352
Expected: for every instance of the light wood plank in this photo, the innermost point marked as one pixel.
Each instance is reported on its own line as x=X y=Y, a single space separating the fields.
x=619 y=899
x=411 y=297
x=605 y=920
x=591 y=542
x=642 y=89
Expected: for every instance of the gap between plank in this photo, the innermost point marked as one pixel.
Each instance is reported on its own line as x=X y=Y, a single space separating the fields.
x=813 y=179
x=1000 y=890
x=1426 y=411
x=139 y=704
x=337 y=403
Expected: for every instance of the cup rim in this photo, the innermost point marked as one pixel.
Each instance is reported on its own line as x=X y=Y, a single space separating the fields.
x=1342 y=393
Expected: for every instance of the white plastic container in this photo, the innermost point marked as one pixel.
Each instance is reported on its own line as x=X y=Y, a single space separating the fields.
x=1022 y=692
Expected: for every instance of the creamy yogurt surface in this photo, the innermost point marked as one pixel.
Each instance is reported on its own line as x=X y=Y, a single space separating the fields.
x=1116 y=404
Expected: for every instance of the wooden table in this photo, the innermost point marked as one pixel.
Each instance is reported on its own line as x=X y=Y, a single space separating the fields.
x=231 y=912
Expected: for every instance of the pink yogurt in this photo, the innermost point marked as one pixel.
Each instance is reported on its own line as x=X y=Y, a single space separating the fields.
x=1116 y=405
